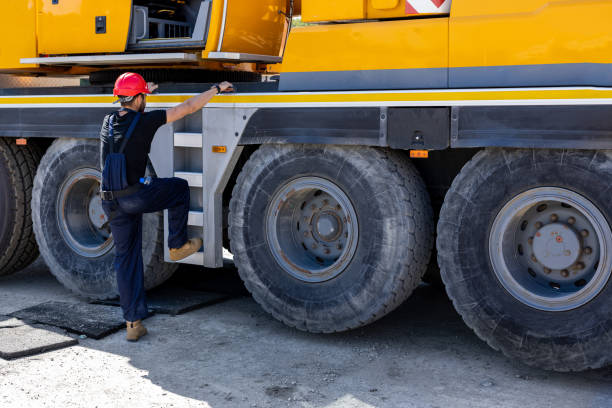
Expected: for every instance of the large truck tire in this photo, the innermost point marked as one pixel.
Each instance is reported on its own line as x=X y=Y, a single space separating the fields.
x=69 y=223
x=18 y=247
x=525 y=250
x=329 y=238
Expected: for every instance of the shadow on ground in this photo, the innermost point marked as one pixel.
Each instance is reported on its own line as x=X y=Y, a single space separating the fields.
x=421 y=355
x=234 y=354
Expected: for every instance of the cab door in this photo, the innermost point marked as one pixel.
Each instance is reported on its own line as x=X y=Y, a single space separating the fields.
x=82 y=26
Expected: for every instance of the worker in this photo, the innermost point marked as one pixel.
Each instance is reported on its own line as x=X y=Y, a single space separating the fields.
x=125 y=142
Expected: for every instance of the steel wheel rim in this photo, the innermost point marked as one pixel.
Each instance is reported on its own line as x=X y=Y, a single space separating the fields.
x=544 y=271
x=80 y=215
x=312 y=229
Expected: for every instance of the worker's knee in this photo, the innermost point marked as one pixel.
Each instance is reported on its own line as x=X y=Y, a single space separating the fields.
x=182 y=184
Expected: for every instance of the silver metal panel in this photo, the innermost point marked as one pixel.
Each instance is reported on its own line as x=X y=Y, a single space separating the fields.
x=162 y=161
x=183 y=139
x=222 y=127
x=161 y=149
x=140 y=24
x=193 y=179
x=196 y=218
x=159 y=58
x=201 y=25
x=243 y=57
x=222 y=25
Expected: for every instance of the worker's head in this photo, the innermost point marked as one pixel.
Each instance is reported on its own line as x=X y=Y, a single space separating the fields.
x=131 y=89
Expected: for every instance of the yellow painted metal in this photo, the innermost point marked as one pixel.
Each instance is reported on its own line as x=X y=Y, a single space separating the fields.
x=255 y=27
x=490 y=97
x=68 y=27
x=386 y=9
x=328 y=10
x=526 y=32
x=17 y=33
x=341 y=10
x=401 y=44
x=214 y=27
x=524 y=96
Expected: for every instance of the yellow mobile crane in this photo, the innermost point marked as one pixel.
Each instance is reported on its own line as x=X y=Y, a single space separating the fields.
x=309 y=173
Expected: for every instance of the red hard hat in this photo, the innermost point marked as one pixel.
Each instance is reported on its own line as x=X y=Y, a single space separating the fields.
x=130 y=84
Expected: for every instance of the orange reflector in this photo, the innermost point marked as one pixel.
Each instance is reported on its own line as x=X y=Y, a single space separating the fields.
x=419 y=154
x=219 y=149
x=21 y=142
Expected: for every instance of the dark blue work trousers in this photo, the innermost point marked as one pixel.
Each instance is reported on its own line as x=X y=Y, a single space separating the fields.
x=163 y=193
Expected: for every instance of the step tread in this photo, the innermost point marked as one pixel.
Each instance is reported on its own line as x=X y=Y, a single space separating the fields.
x=188 y=139
x=194 y=179
x=196 y=218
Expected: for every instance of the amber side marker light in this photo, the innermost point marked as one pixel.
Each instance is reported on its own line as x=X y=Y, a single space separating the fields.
x=21 y=142
x=219 y=149
x=419 y=154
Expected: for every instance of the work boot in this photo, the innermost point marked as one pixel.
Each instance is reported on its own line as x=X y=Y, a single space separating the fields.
x=135 y=330
x=191 y=247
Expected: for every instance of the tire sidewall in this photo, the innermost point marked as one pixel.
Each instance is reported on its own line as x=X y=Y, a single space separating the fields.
x=363 y=278
x=90 y=277
x=7 y=196
x=500 y=317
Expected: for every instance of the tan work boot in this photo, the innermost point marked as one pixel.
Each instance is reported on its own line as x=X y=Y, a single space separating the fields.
x=135 y=330
x=191 y=247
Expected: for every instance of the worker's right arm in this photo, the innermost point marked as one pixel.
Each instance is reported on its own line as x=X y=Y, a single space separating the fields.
x=195 y=103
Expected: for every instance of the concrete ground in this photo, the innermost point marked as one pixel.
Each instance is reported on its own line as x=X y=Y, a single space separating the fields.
x=234 y=355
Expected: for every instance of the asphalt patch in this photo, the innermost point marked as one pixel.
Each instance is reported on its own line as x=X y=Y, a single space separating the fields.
x=95 y=321
x=19 y=339
x=175 y=301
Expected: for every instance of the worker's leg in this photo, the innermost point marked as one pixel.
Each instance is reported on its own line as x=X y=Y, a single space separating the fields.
x=127 y=234
x=164 y=193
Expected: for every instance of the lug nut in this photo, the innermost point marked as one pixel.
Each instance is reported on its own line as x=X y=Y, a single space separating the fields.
x=554 y=217
x=578 y=266
x=584 y=233
x=565 y=273
x=533 y=258
x=547 y=271
x=571 y=220
x=339 y=246
x=530 y=241
x=538 y=225
x=327 y=251
x=588 y=250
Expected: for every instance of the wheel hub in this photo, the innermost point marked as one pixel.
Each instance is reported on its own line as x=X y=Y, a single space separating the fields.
x=551 y=249
x=556 y=246
x=328 y=226
x=80 y=216
x=311 y=229
x=97 y=216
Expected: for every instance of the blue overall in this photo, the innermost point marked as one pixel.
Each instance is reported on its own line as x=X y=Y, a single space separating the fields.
x=125 y=214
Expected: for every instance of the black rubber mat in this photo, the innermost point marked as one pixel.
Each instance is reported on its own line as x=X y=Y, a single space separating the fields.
x=95 y=321
x=174 y=301
x=19 y=339
x=223 y=280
